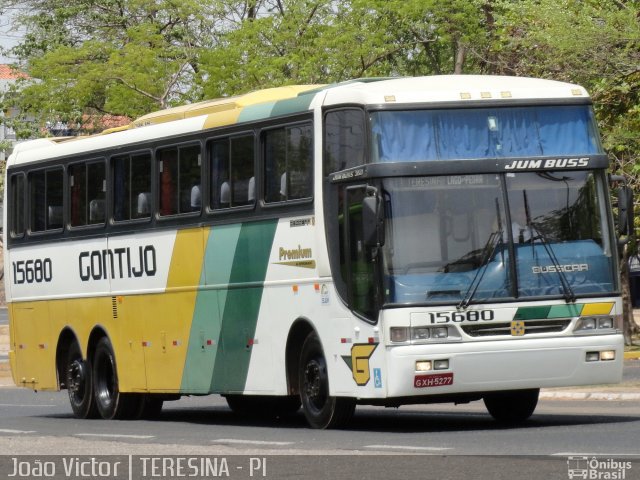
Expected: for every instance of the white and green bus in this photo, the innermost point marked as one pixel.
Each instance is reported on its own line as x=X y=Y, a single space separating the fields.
x=379 y=241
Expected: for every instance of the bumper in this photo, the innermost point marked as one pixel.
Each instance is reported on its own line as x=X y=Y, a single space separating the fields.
x=504 y=365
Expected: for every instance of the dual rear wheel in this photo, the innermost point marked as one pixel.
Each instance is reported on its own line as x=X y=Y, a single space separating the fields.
x=94 y=389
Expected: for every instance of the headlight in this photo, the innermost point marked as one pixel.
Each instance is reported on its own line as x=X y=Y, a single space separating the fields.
x=606 y=322
x=591 y=324
x=440 y=332
x=587 y=324
x=420 y=333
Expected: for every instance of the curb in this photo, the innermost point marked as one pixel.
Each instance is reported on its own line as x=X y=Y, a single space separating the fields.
x=568 y=395
x=632 y=355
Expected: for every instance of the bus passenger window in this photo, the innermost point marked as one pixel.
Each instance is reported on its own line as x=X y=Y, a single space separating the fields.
x=54 y=198
x=232 y=172
x=288 y=163
x=190 y=164
x=87 y=184
x=242 y=169
x=17 y=205
x=179 y=170
x=168 y=171
x=45 y=191
x=132 y=187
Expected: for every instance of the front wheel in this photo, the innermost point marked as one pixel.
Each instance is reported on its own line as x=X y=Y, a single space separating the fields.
x=111 y=403
x=320 y=409
x=512 y=407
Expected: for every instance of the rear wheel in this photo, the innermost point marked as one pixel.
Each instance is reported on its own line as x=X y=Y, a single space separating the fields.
x=512 y=407
x=111 y=403
x=79 y=384
x=320 y=409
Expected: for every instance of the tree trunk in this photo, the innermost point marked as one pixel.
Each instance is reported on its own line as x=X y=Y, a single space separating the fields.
x=461 y=51
x=629 y=326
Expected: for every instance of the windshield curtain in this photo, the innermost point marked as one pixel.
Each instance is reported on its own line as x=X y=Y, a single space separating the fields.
x=451 y=238
x=476 y=133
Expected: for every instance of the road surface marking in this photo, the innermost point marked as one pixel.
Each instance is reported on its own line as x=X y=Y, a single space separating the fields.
x=612 y=455
x=111 y=435
x=22 y=405
x=407 y=447
x=249 y=442
x=6 y=430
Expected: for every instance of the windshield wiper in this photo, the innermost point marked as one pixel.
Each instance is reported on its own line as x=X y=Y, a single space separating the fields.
x=537 y=233
x=569 y=294
x=489 y=249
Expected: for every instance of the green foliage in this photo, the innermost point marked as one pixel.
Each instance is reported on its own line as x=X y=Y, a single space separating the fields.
x=130 y=57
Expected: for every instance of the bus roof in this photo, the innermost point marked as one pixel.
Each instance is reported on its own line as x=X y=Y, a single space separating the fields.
x=274 y=102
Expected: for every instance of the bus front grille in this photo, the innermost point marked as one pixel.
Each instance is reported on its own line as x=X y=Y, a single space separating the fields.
x=504 y=329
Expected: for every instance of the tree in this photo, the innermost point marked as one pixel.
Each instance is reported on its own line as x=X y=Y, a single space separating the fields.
x=123 y=57
x=594 y=43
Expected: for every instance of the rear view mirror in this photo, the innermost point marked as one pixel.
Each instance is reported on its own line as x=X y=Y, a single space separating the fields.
x=372 y=221
x=625 y=211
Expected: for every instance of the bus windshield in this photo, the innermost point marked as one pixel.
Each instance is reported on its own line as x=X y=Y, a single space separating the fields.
x=476 y=133
x=496 y=236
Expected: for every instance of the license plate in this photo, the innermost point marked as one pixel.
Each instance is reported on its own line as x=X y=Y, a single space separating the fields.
x=434 y=380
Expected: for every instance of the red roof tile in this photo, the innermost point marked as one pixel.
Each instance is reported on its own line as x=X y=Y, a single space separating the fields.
x=8 y=73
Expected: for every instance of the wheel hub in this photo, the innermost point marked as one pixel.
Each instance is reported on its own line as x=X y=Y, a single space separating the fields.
x=313 y=383
x=77 y=377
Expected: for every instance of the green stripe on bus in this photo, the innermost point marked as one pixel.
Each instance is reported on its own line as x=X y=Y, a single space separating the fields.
x=529 y=313
x=292 y=105
x=549 y=311
x=242 y=305
x=204 y=339
x=565 y=311
x=256 y=112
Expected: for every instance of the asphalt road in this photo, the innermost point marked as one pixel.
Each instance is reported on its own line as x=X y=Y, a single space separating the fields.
x=41 y=423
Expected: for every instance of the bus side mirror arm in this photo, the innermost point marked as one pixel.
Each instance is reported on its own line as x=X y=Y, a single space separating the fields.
x=372 y=219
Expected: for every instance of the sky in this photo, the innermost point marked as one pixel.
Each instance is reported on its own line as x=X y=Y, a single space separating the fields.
x=8 y=38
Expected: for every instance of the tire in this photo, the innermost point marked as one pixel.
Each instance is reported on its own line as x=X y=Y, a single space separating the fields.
x=320 y=409
x=263 y=406
x=512 y=407
x=110 y=402
x=79 y=384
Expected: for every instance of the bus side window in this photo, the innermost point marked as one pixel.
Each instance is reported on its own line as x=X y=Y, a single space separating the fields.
x=344 y=140
x=189 y=183
x=17 y=205
x=96 y=191
x=168 y=171
x=288 y=169
x=242 y=169
x=179 y=179
x=132 y=187
x=77 y=187
x=232 y=172
x=87 y=184
x=54 y=198
x=45 y=192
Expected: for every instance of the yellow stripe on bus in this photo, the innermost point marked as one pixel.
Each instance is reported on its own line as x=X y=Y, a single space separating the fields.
x=597 y=308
